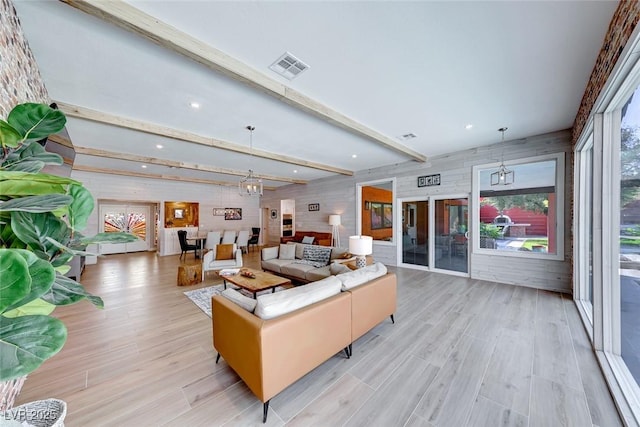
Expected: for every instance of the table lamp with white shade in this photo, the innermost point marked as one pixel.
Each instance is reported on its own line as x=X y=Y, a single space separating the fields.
x=361 y=246
x=334 y=222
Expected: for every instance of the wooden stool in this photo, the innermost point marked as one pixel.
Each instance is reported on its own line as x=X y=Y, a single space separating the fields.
x=189 y=274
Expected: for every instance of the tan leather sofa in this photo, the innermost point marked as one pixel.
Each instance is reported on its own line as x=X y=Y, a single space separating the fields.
x=269 y=355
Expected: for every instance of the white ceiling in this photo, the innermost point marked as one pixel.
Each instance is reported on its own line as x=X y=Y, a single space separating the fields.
x=396 y=67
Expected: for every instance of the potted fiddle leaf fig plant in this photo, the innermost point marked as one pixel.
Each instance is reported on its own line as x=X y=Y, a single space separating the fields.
x=41 y=219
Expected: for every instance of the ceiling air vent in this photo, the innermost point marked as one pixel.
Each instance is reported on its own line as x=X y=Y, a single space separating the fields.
x=407 y=136
x=288 y=66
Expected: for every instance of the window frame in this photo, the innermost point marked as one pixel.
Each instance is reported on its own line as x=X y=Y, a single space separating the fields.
x=560 y=201
x=394 y=209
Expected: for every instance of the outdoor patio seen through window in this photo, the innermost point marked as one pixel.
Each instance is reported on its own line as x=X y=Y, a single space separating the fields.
x=520 y=218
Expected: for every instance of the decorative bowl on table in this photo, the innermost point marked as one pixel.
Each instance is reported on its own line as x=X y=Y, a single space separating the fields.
x=247 y=273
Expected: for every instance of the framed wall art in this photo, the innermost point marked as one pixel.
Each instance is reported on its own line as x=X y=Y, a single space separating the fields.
x=232 y=213
x=314 y=207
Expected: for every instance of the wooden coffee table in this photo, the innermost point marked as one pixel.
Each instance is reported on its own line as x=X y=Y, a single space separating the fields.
x=261 y=282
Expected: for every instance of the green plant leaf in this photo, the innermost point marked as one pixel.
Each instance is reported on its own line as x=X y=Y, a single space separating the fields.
x=36 y=121
x=116 y=237
x=81 y=207
x=38 y=229
x=19 y=188
x=26 y=342
x=67 y=248
x=32 y=308
x=42 y=276
x=66 y=291
x=44 y=203
x=9 y=137
x=31 y=166
x=16 y=280
x=34 y=151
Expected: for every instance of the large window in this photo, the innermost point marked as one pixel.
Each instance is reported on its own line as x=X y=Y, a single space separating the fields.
x=629 y=234
x=607 y=238
x=524 y=217
x=584 y=233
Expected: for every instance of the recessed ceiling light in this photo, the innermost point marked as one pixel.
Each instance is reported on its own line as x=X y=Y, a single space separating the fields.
x=295 y=171
x=143 y=166
x=469 y=126
x=407 y=136
x=354 y=156
x=159 y=146
x=194 y=105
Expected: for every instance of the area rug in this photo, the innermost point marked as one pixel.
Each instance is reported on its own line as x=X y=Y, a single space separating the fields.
x=202 y=297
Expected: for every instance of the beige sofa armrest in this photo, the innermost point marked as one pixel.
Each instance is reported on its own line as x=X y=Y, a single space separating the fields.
x=236 y=336
x=371 y=303
x=269 y=355
x=269 y=253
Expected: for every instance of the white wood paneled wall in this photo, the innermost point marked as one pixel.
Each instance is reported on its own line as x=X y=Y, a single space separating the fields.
x=143 y=190
x=337 y=195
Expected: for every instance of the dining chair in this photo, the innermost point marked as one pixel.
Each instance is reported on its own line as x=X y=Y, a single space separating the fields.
x=229 y=236
x=213 y=239
x=255 y=237
x=184 y=246
x=243 y=240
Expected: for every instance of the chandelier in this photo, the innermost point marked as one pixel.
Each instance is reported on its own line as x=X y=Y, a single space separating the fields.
x=502 y=176
x=250 y=185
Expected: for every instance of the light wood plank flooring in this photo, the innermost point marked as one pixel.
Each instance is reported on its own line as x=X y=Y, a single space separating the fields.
x=462 y=353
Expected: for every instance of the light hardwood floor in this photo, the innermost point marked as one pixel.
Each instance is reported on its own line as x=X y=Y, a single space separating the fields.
x=462 y=353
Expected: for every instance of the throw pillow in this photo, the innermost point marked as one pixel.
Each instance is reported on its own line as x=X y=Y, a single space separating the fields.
x=224 y=251
x=287 y=252
x=319 y=254
x=307 y=240
x=245 y=302
x=337 y=268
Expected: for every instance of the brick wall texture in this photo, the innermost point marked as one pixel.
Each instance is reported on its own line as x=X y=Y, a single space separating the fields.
x=20 y=79
x=624 y=21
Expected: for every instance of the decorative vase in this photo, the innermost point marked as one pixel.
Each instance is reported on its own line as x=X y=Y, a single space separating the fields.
x=41 y=413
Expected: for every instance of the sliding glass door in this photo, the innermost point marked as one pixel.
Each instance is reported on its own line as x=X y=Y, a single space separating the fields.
x=435 y=233
x=451 y=226
x=415 y=232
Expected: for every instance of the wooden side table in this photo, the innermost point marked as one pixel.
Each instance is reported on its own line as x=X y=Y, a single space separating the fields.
x=189 y=274
x=352 y=264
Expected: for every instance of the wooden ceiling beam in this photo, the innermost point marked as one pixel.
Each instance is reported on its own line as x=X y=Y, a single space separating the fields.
x=134 y=20
x=154 y=129
x=158 y=176
x=184 y=165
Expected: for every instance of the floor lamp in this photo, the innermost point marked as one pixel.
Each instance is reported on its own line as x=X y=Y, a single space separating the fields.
x=334 y=221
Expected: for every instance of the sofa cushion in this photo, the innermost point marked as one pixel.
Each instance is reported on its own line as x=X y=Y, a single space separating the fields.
x=337 y=268
x=317 y=254
x=224 y=251
x=243 y=301
x=279 y=303
x=340 y=253
x=275 y=264
x=287 y=252
x=297 y=269
x=317 y=273
x=270 y=253
x=308 y=240
x=299 y=250
x=358 y=277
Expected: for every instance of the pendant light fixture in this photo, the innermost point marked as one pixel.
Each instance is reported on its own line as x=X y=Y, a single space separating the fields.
x=502 y=176
x=250 y=185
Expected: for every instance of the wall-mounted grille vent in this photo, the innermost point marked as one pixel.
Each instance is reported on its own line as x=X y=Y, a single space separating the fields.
x=288 y=66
